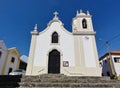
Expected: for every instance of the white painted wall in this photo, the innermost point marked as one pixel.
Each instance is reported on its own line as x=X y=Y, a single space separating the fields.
x=89 y=51
x=44 y=45
x=3 y=50
x=105 y=67
x=116 y=65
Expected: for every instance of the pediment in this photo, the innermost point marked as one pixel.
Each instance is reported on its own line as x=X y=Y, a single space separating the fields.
x=14 y=51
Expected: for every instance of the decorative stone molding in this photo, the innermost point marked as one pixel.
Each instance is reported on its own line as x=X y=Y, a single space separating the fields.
x=34 y=33
x=84 y=33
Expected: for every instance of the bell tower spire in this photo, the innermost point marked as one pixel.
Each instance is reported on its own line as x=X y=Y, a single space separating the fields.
x=35 y=31
x=35 y=28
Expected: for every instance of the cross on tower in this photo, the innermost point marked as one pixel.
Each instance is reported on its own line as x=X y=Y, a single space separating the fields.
x=55 y=13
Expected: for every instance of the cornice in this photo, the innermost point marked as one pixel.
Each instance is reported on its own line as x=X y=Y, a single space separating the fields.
x=34 y=33
x=84 y=33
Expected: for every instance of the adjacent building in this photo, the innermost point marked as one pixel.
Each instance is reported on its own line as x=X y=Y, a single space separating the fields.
x=58 y=51
x=22 y=65
x=3 y=53
x=110 y=63
x=9 y=59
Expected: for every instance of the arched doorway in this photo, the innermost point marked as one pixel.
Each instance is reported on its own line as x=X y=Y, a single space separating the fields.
x=54 y=62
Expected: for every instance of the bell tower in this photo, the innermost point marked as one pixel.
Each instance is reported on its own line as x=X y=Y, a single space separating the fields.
x=86 y=55
x=82 y=22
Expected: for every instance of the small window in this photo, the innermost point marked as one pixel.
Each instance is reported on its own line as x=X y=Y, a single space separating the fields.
x=10 y=70
x=105 y=61
x=117 y=59
x=84 y=23
x=0 y=54
x=55 y=37
x=13 y=60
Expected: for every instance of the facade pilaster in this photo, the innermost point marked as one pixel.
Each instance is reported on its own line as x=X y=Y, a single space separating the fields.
x=34 y=33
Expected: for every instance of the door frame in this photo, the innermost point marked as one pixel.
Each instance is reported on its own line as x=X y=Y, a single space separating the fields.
x=54 y=61
x=61 y=59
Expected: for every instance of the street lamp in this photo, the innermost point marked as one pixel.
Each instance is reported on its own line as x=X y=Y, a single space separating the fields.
x=110 y=59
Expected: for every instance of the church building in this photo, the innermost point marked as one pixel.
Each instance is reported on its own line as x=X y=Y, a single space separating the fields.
x=58 y=51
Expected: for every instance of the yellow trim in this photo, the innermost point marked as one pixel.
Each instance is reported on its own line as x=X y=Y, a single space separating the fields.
x=118 y=78
x=5 y=62
x=111 y=65
x=18 y=63
x=14 y=51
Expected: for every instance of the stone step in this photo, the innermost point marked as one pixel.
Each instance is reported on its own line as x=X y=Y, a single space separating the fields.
x=64 y=77
x=61 y=78
x=67 y=87
x=57 y=81
x=52 y=75
x=69 y=80
x=34 y=84
x=89 y=77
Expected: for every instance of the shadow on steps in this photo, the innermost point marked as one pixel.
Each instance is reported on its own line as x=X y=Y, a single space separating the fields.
x=10 y=81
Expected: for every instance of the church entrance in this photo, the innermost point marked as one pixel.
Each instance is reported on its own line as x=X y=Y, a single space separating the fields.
x=54 y=62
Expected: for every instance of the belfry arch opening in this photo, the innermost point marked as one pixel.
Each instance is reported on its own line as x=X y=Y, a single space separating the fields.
x=54 y=62
x=84 y=23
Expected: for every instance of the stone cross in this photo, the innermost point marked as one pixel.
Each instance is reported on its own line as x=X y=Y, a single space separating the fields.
x=55 y=13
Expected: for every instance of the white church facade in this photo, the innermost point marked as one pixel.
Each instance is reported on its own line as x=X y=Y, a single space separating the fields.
x=58 y=51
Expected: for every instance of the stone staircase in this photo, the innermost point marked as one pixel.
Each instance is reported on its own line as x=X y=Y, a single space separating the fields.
x=57 y=81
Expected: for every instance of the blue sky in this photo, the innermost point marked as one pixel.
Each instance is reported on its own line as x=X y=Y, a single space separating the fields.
x=18 y=17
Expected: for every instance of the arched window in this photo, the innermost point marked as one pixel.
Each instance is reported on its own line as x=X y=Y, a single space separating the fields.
x=84 y=23
x=12 y=59
x=55 y=37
